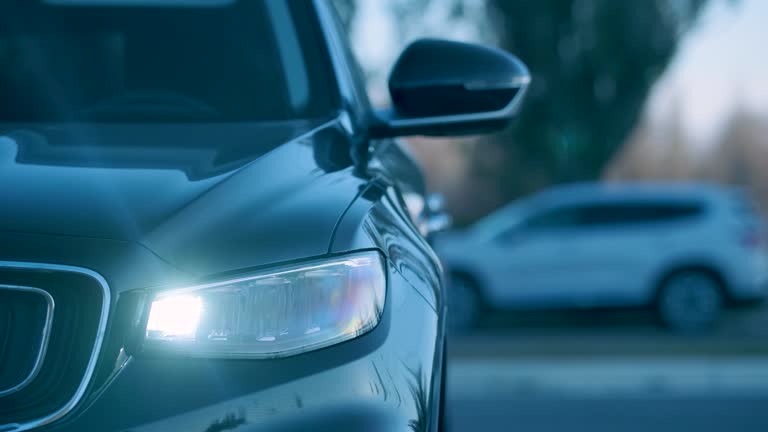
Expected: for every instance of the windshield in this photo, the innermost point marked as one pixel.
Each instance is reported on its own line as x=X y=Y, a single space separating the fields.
x=143 y=61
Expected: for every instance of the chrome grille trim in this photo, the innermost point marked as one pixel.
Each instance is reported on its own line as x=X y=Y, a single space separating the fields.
x=105 y=305
x=43 y=338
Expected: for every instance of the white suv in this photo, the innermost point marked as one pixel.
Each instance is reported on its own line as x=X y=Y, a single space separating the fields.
x=686 y=249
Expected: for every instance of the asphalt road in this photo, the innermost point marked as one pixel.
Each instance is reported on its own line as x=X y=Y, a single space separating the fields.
x=612 y=371
x=616 y=394
x=742 y=330
x=659 y=414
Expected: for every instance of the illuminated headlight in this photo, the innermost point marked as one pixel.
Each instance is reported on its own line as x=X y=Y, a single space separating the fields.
x=277 y=313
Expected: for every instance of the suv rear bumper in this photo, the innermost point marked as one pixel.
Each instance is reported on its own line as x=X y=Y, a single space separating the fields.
x=754 y=289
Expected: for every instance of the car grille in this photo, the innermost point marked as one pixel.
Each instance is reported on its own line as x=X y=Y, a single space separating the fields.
x=52 y=319
x=26 y=315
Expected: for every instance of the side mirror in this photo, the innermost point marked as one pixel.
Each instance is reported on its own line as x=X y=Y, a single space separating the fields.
x=443 y=88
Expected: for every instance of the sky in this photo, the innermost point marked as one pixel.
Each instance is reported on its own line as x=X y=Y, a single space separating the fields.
x=721 y=64
x=376 y=27
x=377 y=39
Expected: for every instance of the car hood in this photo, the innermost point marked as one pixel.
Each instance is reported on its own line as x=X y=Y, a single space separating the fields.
x=206 y=198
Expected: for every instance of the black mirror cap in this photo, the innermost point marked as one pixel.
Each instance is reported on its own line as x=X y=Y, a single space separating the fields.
x=443 y=87
x=436 y=77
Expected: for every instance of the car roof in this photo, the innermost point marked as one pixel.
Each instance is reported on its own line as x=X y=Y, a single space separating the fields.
x=607 y=192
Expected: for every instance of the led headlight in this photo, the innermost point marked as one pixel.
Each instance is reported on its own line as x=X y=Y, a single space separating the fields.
x=272 y=314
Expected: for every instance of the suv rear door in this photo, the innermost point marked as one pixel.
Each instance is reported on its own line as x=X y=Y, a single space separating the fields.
x=620 y=247
x=602 y=252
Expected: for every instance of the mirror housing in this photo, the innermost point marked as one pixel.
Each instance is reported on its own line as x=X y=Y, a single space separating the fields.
x=441 y=88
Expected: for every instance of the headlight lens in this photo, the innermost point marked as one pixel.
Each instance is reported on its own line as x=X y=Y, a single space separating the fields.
x=274 y=314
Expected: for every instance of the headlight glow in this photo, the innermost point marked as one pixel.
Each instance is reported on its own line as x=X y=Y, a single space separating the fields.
x=277 y=313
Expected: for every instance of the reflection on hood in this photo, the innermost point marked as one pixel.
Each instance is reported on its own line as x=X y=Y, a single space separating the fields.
x=199 y=150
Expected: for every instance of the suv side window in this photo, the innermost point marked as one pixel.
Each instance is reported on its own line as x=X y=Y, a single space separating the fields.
x=633 y=213
x=597 y=215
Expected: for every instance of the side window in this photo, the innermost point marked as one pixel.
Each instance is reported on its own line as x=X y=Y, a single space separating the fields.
x=615 y=214
x=636 y=213
x=674 y=211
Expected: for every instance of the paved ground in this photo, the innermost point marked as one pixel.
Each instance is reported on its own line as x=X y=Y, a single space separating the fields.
x=617 y=394
x=617 y=377
x=553 y=414
x=612 y=371
x=742 y=320
x=610 y=332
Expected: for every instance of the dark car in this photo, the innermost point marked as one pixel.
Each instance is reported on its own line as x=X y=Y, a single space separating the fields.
x=202 y=223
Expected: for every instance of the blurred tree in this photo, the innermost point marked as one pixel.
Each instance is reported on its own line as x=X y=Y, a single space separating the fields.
x=657 y=150
x=593 y=63
x=660 y=150
x=741 y=156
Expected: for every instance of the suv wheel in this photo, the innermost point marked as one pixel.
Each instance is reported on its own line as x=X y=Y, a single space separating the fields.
x=690 y=301
x=464 y=304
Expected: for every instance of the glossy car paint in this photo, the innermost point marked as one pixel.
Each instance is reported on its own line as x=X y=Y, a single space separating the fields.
x=165 y=220
x=198 y=241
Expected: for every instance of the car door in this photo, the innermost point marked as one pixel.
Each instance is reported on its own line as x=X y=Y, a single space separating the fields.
x=604 y=250
x=619 y=246
x=531 y=265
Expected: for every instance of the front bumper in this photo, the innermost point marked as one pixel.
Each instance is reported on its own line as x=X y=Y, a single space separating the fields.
x=384 y=380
